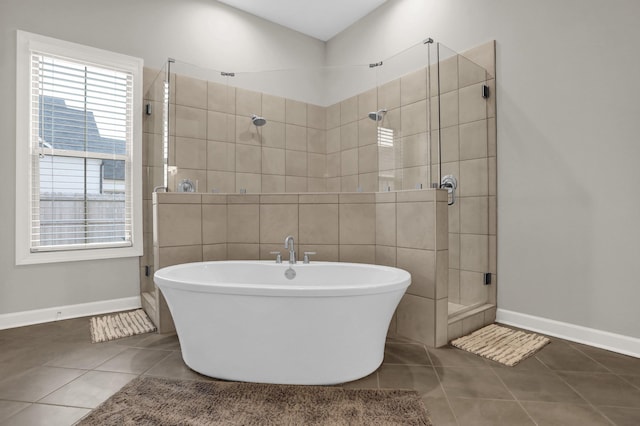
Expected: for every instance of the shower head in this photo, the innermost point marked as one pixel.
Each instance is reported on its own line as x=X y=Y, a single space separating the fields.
x=378 y=115
x=258 y=121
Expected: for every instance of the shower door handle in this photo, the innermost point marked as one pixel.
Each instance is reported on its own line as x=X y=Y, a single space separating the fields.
x=450 y=183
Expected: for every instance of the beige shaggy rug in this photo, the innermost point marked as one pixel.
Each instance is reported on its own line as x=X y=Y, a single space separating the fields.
x=156 y=401
x=501 y=344
x=119 y=325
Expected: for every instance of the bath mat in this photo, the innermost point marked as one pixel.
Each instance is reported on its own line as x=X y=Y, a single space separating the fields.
x=501 y=344
x=158 y=401
x=121 y=324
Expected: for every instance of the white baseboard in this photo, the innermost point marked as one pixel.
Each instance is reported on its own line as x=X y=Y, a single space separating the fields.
x=38 y=316
x=589 y=336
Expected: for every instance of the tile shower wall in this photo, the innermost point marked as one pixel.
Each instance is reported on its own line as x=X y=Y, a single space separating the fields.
x=405 y=229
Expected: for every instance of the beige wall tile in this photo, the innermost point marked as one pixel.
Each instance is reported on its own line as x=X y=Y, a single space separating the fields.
x=367 y=132
x=243 y=198
x=324 y=252
x=296 y=112
x=295 y=184
x=434 y=108
x=349 y=183
x=334 y=184
x=177 y=198
x=386 y=255
x=214 y=252
x=416 y=195
x=251 y=182
x=473 y=106
x=221 y=98
x=454 y=330
x=449 y=74
x=367 y=102
x=472 y=323
x=191 y=153
x=449 y=109
x=493 y=178
x=334 y=167
x=316 y=117
x=474 y=252
x=415 y=318
x=474 y=215
x=319 y=224
x=333 y=140
x=191 y=92
x=221 y=156
x=316 y=184
x=318 y=198
x=277 y=221
x=368 y=159
x=416 y=225
x=470 y=72
x=493 y=219
x=168 y=256
x=180 y=224
x=273 y=108
x=267 y=249
x=295 y=163
x=491 y=102
x=316 y=141
x=368 y=182
x=357 y=198
x=349 y=110
x=248 y=102
x=449 y=145
x=273 y=183
x=273 y=161
x=442 y=274
x=248 y=158
x=197 y=176
x=273 y=135
x=214 y=199
x=224 y=182
x=349 y=135
x=386 y=224
x=413 y=177
x=493 y=254
x=154 y=123
x=358 y=253
x=357 y=224
x=333 y=116
x=473 y=140
x=243 y=223
x=152 y=149
x=243 y=251
x=492 y=147
x=415 y=150
x=442 y=226
x=474 y=178
x=385 y=197
x=296 y=137
x=191 y=122
x=221 y=127
x=454 y=250
x=214 y=223
x=389 y=95
x=454 y=285
x=279 y=199
x=413 y=87
x=421 y=264
x=414 y=118
x=246 y=132
x=317 y=165
x=349 y=162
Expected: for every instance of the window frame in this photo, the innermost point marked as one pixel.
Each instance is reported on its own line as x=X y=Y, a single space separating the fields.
x=26 y=42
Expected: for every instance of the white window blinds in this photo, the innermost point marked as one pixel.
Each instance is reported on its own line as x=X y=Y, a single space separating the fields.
x=81 y=143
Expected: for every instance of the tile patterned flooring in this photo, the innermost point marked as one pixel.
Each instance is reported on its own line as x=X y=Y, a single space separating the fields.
x=51 y=375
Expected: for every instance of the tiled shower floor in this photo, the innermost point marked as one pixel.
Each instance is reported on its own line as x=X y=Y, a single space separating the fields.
x=51 y=375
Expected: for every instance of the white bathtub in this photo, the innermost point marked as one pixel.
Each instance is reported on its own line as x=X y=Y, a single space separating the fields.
x=244 y=320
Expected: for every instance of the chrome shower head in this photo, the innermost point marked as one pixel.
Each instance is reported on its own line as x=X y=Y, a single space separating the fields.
x=258 y=121
x=378 y=115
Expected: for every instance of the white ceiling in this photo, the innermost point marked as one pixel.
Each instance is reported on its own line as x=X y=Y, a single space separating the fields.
x=321 y=19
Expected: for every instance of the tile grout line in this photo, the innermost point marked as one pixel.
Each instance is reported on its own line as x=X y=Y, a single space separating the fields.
x=444 y=392
x=493 y=370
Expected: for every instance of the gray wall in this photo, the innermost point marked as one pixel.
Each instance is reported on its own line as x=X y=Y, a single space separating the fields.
x=568 y=126
x=202 y=32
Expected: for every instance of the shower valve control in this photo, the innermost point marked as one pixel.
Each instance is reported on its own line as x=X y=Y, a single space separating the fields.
x=450 y=183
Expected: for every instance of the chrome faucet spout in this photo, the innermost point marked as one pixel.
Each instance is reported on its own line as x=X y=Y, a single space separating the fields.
x=289 y=244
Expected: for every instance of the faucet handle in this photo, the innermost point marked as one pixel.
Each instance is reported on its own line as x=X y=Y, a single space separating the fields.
x=278 y=256
x=306 y=256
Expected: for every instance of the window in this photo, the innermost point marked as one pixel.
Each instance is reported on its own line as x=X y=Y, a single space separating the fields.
x=78 y=152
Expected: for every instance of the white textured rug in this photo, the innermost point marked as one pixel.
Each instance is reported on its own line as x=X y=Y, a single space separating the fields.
x=121 y=324
x=501 y=344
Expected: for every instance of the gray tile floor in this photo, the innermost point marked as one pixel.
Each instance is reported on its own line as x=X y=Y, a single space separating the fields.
x=50 y=374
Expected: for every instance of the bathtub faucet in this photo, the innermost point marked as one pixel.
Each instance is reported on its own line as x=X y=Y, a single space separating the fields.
x=288 y=244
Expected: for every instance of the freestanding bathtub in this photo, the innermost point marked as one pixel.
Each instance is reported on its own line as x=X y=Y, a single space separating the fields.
x=247 y=321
